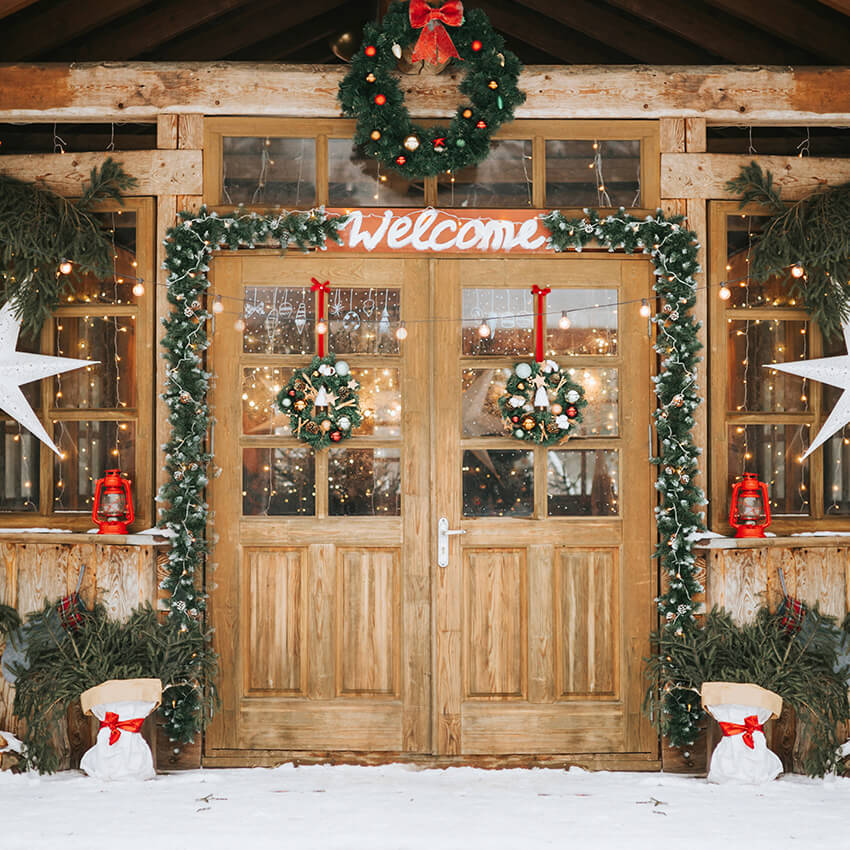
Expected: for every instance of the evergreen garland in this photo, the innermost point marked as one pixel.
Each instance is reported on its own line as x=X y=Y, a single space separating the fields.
x=803 y=670
x=371 y=94
x=39 y=229
x=813 y=233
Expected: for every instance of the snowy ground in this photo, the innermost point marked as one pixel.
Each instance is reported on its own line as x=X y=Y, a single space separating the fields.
x=399 y=807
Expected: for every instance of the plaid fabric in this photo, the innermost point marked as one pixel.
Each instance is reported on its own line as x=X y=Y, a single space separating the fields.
x=791 y=614
x=70 y=609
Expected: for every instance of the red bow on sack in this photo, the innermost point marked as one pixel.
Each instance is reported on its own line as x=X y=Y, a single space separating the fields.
x=116 y=726
x=751 y=724
x=434 y=44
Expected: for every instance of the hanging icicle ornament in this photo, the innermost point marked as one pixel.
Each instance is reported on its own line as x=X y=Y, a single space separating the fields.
x=541 y=404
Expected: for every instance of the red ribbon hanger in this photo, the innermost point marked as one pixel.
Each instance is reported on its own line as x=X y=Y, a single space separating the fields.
x=541 y=319
x=751 y=724
x=117 y=726
x=435 y=44
x=323 y=289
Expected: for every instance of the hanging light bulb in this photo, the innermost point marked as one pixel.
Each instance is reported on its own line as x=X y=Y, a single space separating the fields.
x=139 y=289
x=239 y=324
x=484 y=330
x=564 y=322
x=725 y=293
x=217 y=307
x=65 y=267
x=321 y=327
x=796 y=270
x=401 y=332
x=645 y=309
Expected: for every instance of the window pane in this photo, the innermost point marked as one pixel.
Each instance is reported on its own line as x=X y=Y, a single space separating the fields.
x=19 y=468
x=583 y=482
x=279 y=320
x=118 y=287
x=111 y=382
x=754 y=344
x=269 y=171
x=364 y=482
x=836 y=450
x=260 y=386
x=741 y=232
x=509 y=314
x=364 y=320
x=592 y=317
x=592 y=173
x=88 y=450
x=481 y=390
x=601 y=389
x=278 y=482
x=380 y=401
x=503 y=180
x=498 y=483
x=355 y=180
x=773 y=452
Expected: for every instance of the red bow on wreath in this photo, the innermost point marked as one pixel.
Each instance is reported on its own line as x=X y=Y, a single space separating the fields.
x=434 y=44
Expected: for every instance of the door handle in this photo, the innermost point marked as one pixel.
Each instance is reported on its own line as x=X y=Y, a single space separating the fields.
x=443 y=532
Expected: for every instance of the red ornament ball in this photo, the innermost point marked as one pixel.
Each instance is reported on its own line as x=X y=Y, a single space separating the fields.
x=481 y=125
x=380 y=99
x=371 y=50
x=476 y=45
x=401 y=160
x=292 y=392
x=514 y=418
x=572 y=412
x=336 y=436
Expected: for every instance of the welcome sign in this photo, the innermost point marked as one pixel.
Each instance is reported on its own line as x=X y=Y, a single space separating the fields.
x=431 y=230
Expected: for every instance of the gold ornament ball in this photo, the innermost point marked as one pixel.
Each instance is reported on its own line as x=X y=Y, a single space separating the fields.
x=493 y=85
x=520 y=386
x=370 y=77
x=300 y=405
x=315 y=374
x=528 y=422
x=326 y=424
x=556 y=409
x=467 y=113
x=411 y=143
x=375 y=135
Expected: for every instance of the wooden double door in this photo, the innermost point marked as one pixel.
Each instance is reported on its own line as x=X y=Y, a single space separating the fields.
x=337 y=629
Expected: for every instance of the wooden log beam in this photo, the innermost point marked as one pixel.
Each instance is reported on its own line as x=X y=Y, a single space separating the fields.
x=160 y=172
x=141 y=91
x=694 y=175
x=9 y=7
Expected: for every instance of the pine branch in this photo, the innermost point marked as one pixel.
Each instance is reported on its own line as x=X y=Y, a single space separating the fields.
x=106 y=183
x=9 y=620
x=756 y=186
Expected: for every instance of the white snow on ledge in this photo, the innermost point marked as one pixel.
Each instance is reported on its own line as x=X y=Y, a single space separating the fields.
x=36 y=531
x=397 y=806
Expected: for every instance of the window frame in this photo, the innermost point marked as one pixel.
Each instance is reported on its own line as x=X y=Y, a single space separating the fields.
x=141 y=416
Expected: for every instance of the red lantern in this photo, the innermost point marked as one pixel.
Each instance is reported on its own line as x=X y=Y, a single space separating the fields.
x=749 y=513
x=113 y=503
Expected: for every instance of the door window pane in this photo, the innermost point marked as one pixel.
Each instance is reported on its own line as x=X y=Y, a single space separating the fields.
x=601 y=389
x=591 y=315
x=260 y=386
x=503 y=180
x=836 y=450
x=278 y=482
x=380 y=401
x=774 y=453
x=742 y=231
x=88 y=450
x=355 y=180
x=278 y=320
x=118 y=287
x=508 y=313
x=754 y=344
x=498 y=483
x=364 y=320
x=19 y=468
x=268 y=171
x=597 y=173
x=364 y=482
x=583 y=482
x=481 y=389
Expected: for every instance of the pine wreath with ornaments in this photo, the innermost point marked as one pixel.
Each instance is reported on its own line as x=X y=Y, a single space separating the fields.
x=371 y=94
x=541 y=404
x=322 y=401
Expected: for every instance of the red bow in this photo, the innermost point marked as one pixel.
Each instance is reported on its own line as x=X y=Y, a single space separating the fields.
x=116 y=727
x=434 y=44
x=323 y=287
x=751 y=724
x=536 y=290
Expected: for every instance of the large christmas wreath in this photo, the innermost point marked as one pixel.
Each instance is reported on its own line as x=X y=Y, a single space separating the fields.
x=371 y=94
x=528 y=411
x=322 y=402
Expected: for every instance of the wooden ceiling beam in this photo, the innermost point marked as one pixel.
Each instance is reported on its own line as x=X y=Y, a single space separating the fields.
x=619 y=31
x=807 y=24
x=139 y=91
x=9 y=7
x=36 y=34
x=842 y=6
x=715 y=32
x=237 y=31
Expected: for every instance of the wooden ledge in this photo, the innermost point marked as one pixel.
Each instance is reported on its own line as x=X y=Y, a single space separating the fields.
x=54 y=537
x=799 y=541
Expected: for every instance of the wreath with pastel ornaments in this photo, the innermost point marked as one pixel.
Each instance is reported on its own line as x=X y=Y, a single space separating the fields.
x=322 y=401
x=371 y=94
x=541 y=403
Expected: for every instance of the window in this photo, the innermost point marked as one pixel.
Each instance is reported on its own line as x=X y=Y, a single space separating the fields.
x=763 y=420
x=295 y=163
x=99 y=415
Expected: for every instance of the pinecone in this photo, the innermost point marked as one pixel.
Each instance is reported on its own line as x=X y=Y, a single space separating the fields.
x=552 y=428
x=300 y=385
x=343 y=392
x=311 y=427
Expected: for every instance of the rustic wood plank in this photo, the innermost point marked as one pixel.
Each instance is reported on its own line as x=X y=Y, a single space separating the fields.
x=136 y=91
x=321 y=591
x=166 y=132
x=9 y=7
x=696 y=176
x=157 y=172
x=541 y=624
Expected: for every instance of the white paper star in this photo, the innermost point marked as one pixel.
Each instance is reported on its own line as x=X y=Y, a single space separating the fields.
x=834 y=371
x=17 y=368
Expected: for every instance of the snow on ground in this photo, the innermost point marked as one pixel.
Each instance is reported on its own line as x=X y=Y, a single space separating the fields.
x=395 y=807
